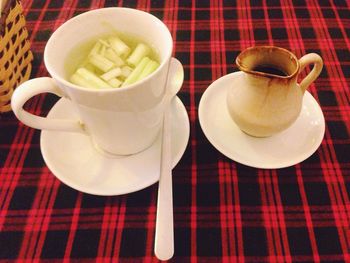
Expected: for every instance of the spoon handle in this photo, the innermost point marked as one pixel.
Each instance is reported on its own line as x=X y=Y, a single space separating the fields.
x=164 y=236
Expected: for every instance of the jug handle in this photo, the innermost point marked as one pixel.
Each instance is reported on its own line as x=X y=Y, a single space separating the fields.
x=311 y=58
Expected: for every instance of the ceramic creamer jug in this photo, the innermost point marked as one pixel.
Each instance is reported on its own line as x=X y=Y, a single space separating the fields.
x=265 y=98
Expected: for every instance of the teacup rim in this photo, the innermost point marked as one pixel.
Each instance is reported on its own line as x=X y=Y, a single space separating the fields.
x=62 y=80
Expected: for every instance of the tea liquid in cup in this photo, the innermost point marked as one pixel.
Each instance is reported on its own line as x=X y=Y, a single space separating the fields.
x=120 y=121
x=265 y=98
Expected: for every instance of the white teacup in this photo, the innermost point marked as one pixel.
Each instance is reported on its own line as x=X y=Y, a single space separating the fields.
x=120 y=121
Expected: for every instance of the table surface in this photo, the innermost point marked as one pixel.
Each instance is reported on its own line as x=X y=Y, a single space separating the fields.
x=223 y=210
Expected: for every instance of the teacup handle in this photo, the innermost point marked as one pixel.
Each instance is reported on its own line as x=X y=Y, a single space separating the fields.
x=32 y=88
x=311 y=58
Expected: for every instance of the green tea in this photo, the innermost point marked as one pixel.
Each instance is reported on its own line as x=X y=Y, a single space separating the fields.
x=111 y=61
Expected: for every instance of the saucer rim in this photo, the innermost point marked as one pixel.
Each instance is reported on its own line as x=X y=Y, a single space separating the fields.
x=245 y=161
x=177 y=105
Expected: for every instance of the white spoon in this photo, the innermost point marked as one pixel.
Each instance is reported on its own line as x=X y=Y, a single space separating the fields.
x=164 y=236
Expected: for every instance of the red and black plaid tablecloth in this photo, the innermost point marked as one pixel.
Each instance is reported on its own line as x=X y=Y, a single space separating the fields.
x=223 y=211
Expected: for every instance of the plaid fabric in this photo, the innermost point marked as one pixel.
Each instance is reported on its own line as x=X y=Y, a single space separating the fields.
x=223 y=211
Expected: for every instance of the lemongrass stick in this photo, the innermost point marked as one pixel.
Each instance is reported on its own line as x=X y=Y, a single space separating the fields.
x=92 y=78
x=101 y=62
x=112 y=56
x=136 y=72
x=113 y=73
x=139 y=53
x=119 y=46
x=114 y=82
x=149 y=68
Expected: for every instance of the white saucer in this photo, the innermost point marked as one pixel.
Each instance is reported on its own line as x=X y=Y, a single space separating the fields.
x=74 y=160
x=285 y=149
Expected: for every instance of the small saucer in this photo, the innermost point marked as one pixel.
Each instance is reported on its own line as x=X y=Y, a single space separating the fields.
x=74 y=160
x=284 y=149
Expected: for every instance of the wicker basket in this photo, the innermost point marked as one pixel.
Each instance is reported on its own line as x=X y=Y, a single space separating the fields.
x=15 y=54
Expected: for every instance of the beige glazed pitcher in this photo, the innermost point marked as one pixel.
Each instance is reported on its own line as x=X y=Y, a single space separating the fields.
x=265 y=98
